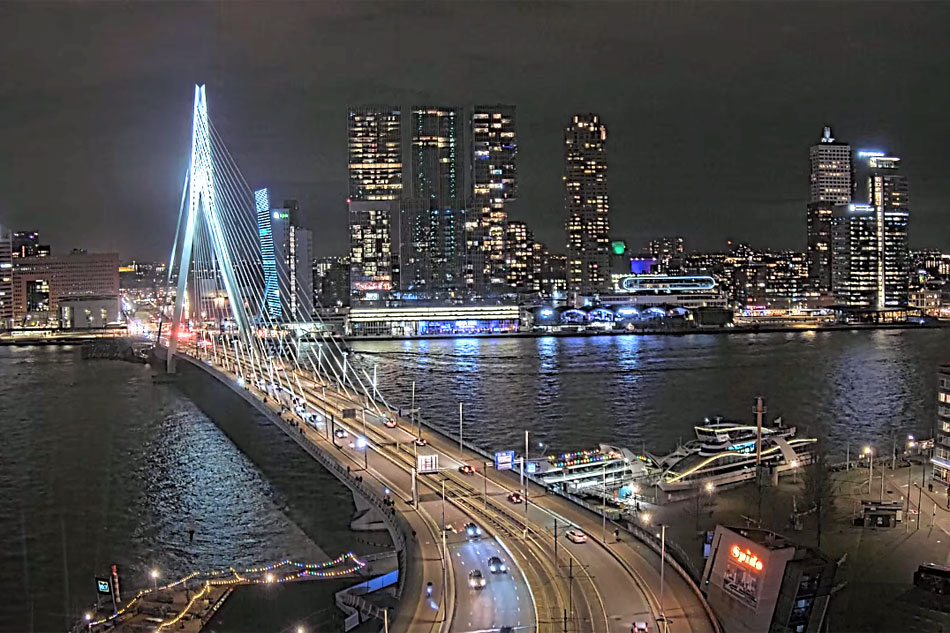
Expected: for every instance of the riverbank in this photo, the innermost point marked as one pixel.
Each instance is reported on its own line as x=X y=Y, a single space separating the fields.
x=716 y=331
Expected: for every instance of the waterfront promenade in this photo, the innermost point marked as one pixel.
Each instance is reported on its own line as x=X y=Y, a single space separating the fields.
x=874 y=583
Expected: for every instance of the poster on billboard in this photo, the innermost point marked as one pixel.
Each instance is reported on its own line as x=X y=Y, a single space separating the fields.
x=742 y=582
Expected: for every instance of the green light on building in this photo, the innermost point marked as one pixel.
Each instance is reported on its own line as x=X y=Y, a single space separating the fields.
x=619 y=247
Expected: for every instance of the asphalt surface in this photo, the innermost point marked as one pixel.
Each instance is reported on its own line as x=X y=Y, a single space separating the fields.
x=592 y=587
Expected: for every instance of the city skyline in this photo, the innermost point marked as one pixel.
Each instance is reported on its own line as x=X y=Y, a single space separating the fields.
x=668 y=145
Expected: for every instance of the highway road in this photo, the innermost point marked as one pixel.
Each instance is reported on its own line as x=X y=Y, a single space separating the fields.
x=592 y=587
x=504 y=599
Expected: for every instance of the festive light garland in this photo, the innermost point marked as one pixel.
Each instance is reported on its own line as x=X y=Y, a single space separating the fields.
x=212 y=578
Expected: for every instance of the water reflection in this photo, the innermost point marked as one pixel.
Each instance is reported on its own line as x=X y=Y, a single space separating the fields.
x=867 y=386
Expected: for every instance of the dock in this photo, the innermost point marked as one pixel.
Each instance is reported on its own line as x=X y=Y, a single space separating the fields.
x=189 y=603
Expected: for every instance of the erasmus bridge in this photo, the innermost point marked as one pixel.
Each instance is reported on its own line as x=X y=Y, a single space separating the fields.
x=238 y=317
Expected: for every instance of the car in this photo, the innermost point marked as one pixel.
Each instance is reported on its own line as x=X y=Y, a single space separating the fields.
x=515 y=497
x=475 y=579
x=472 y=530
x=506 y=629
x=421 y=441
x=639 y=627
x=576 y=536
x=497 y=566
x=340 y=433
x=390 y=423
x=465 y=469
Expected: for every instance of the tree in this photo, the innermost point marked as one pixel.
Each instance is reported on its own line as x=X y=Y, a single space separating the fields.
x=818 y=489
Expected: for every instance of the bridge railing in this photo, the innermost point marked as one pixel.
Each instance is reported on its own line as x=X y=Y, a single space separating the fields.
x=397 y=525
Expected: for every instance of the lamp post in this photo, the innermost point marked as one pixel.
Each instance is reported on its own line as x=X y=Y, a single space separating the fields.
x=870 y=453
x=154 y=575
x=662 y=573
x=603 y=508
x=461 y=456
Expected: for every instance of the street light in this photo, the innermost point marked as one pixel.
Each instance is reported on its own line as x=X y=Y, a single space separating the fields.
x=154 y=575
x=363 y=444
x=870 y=453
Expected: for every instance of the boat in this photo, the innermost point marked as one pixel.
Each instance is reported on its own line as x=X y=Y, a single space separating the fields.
x=724 y=454
x=585 y=472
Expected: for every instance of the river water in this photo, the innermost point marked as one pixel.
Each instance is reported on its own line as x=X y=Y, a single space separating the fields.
x=98 y=465
x=860 y=387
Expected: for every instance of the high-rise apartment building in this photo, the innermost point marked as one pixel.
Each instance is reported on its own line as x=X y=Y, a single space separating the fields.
x=6 y=277
x=432 y=218
x=586 y=204
x=494 y=187
x=888 y=192
x=374 y=150
x=374 y=142
x=370 y=252
x=856 y=264
x=436 y=156
x=331 y=281
x=831 y=183
x=666 y=249
x=522 y=259
x=870 y=256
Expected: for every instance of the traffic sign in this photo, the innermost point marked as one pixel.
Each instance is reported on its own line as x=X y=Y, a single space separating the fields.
x=504 y=460
x=426 y=464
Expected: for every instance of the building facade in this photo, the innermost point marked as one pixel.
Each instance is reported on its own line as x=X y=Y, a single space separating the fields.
x=331 y=282
x=831 y=183
x=27 y=244
x=375 y=167
x=6 y=277
x=888 y=192
x=522 y=259
x=432 y=219
x=758 y=581
x=39 y=283
x=494 y=187
x=586 y=204
x=856 y=264
x=941 y=456
x=287 y=259
x=667 y=251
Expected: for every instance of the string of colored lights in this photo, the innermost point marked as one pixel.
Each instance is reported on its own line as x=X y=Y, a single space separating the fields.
x=212 y=578
x=187 y=608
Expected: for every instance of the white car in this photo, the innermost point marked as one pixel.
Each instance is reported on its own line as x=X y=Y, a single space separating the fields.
x=472 y=530
x=341 y=433
x=576 y=536
x=475 y=579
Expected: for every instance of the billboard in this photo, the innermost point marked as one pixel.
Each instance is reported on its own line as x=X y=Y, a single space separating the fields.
x=426 y=464
x=504 y=460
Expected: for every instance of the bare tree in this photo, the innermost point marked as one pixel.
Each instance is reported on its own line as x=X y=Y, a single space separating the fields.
x=818 y=489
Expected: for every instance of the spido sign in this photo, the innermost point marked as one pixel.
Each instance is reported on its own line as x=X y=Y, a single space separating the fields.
x=746 y=558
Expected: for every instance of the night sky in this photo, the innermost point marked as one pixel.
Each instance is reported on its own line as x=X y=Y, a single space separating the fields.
x=710 y=107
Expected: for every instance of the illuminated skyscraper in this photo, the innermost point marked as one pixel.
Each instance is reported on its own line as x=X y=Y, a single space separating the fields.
x=376 y=186
x=831 y=183
x=27 y=244
x=6 y=277
x=856 y=263
x=888 y=192
x=374 y=141
x=586 y=203
x=287 y=257
x=523 y=261
x=432 y=218
x=494 y=186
